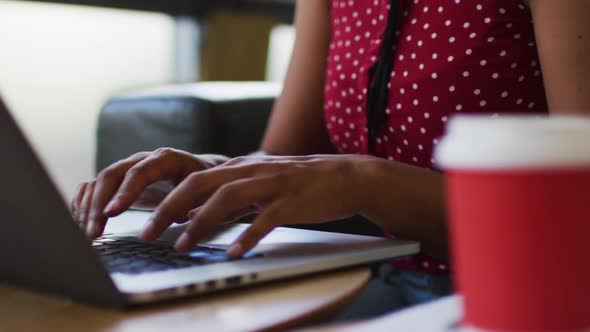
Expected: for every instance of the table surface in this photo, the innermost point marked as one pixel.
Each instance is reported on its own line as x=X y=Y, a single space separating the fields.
x=272 y=306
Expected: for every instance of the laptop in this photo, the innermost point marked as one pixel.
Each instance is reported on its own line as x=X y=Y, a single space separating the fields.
x=43 y=249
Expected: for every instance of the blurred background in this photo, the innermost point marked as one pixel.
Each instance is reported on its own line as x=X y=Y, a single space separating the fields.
x=61 y=61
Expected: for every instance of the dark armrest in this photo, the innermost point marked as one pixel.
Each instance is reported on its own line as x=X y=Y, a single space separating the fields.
x=227 y=118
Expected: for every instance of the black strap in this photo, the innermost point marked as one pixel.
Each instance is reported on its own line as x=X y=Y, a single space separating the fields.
x=379 y=76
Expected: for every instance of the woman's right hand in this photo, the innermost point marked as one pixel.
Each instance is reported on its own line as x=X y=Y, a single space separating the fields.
x=140 y=181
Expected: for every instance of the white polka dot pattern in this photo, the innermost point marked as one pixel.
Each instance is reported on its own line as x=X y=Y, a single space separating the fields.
x=450 y=57
x=461 y=56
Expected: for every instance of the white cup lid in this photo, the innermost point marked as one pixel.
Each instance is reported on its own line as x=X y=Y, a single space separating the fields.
x=515 y=142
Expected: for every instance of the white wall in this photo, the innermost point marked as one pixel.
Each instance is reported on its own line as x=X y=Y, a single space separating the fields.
x=59 y=63
x=282 y=40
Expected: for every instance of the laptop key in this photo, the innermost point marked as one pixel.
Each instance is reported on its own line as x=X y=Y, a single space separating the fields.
x=218 y=258
x=132 y=256
x=179 y=263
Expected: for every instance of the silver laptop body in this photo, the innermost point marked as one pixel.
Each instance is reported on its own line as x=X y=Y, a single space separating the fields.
x=42 y=248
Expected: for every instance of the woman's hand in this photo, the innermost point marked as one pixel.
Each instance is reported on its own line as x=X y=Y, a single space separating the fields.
x=140 y=181
x=283 y=190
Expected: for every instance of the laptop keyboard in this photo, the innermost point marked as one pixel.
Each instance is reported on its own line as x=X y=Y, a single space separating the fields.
x=129 y=255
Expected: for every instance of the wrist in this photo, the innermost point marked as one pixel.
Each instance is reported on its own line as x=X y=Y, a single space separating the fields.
x=367 y=179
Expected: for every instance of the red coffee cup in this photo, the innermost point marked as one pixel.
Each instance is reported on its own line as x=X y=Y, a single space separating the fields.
x=518 y=193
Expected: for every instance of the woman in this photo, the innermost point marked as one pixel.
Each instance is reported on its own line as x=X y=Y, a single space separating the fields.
x=369 y=89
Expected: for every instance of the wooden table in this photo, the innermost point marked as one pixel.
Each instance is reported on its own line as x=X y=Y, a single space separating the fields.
x=272 y=306
x=275 y=306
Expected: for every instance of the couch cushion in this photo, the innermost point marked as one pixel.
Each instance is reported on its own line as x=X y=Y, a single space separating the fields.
x=211 y=117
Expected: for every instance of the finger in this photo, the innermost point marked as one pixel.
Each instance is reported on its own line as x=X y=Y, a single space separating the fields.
x=138 y=176
x=85 y=205
x=239 y=214
x=257 y=159
x=238 y=161
x=232 y=197
x=234 y=216
x=191 y=214
x=153 y=195
x=106 y=185
x=268 y=220
x=77 y=200
x=191 y=192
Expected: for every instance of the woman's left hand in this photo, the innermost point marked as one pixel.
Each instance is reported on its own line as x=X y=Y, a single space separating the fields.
x=281 y=190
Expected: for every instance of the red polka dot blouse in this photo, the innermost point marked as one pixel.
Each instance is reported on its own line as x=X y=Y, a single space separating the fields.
x=451 y=57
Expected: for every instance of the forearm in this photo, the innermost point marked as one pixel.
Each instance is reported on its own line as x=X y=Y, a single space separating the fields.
x=406 y=201
x=296 y=126
x=562 y=32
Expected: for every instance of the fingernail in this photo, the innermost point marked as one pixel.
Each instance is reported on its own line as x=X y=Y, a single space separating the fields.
x=110 y=208
x=148 y=229
x=90 y=228
x=183 y=243
x=235 y=251
x=96 y=231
